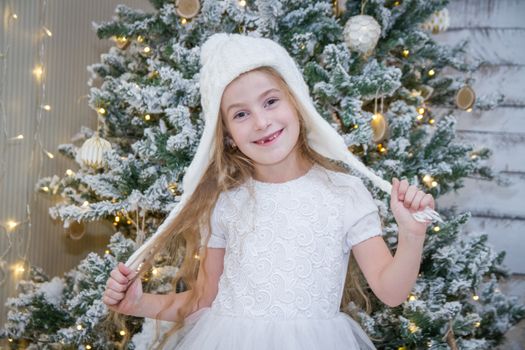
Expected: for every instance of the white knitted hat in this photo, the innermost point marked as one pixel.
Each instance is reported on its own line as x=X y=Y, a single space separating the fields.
x=223 y=58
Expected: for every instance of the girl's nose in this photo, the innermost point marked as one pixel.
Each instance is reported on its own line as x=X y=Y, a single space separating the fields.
x=261 y=121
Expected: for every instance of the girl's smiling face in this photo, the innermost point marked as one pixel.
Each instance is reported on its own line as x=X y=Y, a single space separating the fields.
x=262 y=120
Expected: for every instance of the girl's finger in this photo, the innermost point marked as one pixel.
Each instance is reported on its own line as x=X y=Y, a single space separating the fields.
x=124 y=269
x=117 y=276
x=114 y=295
x=409 y=196
x=117 y=287
x=417 y=200
x=427 y=201
x=403 y=186
x=109 y=301
x=395 y=187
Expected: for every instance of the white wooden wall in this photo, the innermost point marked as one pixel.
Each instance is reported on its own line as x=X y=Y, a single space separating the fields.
x=496 y=30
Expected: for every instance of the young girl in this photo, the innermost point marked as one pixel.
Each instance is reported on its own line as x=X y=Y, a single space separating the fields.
x=272 y=218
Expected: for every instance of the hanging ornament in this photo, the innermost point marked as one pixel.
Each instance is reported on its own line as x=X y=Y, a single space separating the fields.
x=92 y=151
x=75 y=229
x=378 y=123
x=438 y=22
x=465 y=98
x=361 y=34
x=339 y=7
x=122 y=42
x=379 y=126
x=187 y=8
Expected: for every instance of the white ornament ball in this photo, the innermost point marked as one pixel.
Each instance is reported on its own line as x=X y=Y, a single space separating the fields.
x=438 y=22
x=91 y=152
x=361 y=33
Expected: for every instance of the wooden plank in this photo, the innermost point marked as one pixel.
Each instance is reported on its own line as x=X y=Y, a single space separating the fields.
x=502 y=119
x=497 y=46
x=488 y=199
x=508 y=149
x=503 y=235
x=487 y=13
x=508 y=81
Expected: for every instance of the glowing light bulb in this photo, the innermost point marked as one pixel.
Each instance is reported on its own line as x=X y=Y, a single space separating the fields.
x=196 y=256
x=421 y=110
x=46 y=107
x=88 y=347
x=154 y=272
x=434 y=183
x=147 y=49
x=10 y=340
x=140 y=38
x=406 y=53
x=19 y=268
x=183 y=21
x=242 y=3
x=38 y=71
x=477 y=324
x=49 y=154
x=431 y=121
x=85 y=204
x=419 y=117
x=469 y=110
x=412 y=327
x=117 y=218
x=122 y=332
x=79 y=327
x=18 y=137
x=11 y=225
x=45 y=189
x=412 y=297
x=106 y=251
x=101 y=111
x=14 y=16
x=147 y=117
x=475 y=297
x=437 y=229
x=431 y=73
x=47 y=31
x=474 y=156
x=70 y=172
x=427 y=178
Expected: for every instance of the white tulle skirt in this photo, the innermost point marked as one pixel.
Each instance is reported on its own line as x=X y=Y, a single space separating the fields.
x=207 y=330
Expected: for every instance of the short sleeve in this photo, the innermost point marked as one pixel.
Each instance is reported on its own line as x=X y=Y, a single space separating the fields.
x=218 y=232
x=362 y=215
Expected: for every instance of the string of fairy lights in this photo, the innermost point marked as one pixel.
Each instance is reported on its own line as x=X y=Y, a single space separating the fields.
x=18 y=240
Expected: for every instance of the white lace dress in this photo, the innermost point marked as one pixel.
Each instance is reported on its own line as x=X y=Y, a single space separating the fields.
x=286 y=254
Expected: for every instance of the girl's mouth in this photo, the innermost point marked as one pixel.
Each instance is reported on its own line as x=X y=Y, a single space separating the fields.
x=270 y=139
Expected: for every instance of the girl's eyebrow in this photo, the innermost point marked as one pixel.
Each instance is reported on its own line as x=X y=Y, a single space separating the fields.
x=260 y=97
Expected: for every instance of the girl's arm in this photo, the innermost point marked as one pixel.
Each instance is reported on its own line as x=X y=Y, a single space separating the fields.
x=393 y=277
x=131 y=301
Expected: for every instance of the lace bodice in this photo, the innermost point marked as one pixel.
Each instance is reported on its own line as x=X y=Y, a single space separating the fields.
x=287 y=244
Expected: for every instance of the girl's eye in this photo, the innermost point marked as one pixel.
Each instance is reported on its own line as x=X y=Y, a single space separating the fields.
x=272 y=101
x=239 y=115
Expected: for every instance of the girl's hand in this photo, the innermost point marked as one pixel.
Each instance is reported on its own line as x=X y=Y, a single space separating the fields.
x=404 y=201
x=121 y=296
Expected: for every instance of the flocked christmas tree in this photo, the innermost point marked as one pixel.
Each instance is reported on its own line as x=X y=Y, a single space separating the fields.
x=393 y=101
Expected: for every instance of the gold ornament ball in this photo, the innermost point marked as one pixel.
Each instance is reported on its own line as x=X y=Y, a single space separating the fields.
x=379 y=127
x=187 y=8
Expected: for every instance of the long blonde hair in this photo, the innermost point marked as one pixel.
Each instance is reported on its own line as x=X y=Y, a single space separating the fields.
x=228 y=169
